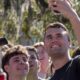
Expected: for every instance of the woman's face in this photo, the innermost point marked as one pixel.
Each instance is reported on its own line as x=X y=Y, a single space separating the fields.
x=43 y=56
x=33 y=61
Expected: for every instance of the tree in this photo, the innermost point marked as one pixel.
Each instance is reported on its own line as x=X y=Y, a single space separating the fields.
x=26 y=19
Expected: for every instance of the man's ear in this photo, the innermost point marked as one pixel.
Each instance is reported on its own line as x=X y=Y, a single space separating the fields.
x=6 y=67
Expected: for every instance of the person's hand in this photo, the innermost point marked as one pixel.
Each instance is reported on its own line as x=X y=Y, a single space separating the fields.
x=63 y=6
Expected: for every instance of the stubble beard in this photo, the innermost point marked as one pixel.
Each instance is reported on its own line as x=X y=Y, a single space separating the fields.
x=57 y=53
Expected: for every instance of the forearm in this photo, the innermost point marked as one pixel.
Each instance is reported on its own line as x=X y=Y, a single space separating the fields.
x=75 y=21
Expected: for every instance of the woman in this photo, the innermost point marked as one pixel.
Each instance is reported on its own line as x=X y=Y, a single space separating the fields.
x=34 y=64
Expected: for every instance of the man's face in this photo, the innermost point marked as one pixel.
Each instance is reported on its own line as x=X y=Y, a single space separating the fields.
x=56 y=42
x=18 y=65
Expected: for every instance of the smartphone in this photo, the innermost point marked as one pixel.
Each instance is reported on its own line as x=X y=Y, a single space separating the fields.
x=3 y=41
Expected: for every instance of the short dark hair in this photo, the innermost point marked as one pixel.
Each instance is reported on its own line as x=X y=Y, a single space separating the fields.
x=15 y=50
x=57 y=25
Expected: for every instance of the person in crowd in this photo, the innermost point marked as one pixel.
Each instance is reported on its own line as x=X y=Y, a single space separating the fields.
x=57 y=42
x=6 y=47
x=43 y=58
x=3 y=50
x=76 y=52
x=15 y=63
x=3 y=42
x=34 y=64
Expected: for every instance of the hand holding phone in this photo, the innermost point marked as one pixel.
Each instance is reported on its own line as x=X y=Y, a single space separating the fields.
x=52 y=5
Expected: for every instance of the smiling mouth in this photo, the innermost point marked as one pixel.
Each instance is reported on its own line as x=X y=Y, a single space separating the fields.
x=55 y=46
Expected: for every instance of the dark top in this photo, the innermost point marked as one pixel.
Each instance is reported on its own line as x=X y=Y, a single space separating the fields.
x=70 y=71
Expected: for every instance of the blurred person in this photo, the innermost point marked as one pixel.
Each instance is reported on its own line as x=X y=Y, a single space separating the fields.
x=15 y=63
x=43 y=58
x=34 y=64
x=6 y=47
x=3 y=41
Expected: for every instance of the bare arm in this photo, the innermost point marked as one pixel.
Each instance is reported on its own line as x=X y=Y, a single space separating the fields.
x=75 y=21
x=65 y=8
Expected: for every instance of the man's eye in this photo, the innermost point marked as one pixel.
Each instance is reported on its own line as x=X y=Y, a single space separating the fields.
x=49 y=37
x=59 y=36
x=25 y=60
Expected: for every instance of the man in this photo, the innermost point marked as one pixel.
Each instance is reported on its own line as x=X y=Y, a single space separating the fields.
x=15 y=63
x=57 y=42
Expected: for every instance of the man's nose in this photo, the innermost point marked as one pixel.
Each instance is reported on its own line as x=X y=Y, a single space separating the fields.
x=54 y=38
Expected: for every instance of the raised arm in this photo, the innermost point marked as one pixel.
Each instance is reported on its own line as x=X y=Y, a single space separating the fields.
x=65 y=8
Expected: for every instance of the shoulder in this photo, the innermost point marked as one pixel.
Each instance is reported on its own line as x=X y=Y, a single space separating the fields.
x=77 y=58
x=76 y=62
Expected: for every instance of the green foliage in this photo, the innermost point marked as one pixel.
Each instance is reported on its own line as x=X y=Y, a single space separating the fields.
x=32 y=20
x=10 y=30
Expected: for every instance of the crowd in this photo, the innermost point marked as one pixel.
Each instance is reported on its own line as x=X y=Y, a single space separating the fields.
x=49 y=59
